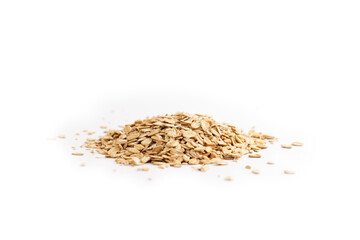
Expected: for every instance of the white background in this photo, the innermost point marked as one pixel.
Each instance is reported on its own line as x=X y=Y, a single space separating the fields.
x=290 y=68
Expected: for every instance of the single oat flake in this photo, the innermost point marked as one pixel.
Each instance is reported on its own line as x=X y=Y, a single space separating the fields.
x=144 y=169
x=286 y=146
x=297 y=144
x=203 y=168
x=77 y=154
x=176 y=140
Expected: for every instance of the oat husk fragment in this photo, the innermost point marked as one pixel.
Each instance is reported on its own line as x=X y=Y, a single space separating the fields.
x=176 y=140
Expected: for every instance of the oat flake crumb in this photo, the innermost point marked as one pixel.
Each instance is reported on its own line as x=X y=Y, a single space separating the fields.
x=62 y=136
x=248 y=167
x=228 y=178
x=255 y=171
x=83 y=165
x=270 y=163
x=286 y=146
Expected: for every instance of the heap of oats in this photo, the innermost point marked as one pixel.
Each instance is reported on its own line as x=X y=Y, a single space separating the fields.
x=178 y=139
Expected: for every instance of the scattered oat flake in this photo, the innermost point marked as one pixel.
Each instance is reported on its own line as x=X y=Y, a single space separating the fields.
x=221 y=163
x=255 y=156
x=255 y=171
x=103 y=127
x=248 y=167
x=228 y=178
x=144 y=169
x=62 y=136
x=289 y=172
x=286 y=146
x=297 y=144
x=270 y=163
x=77 y=154
x=203 y=168
x=83 y=165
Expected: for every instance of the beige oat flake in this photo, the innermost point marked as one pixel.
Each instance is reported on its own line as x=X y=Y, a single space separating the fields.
x=144 y=169
x=297 y=144
x=77 y=154
x=203 y=168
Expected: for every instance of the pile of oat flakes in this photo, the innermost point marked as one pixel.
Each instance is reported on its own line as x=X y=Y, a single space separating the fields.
x=178 y=139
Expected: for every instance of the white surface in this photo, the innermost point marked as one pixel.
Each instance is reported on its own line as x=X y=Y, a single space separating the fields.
x=288 y=67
